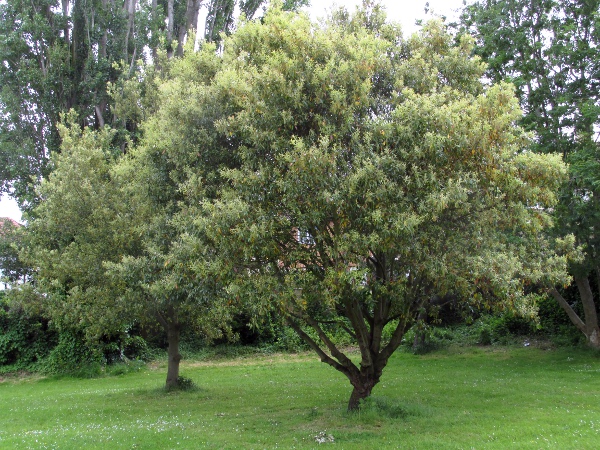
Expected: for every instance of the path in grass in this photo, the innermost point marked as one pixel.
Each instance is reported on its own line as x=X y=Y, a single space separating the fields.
x=477 y=398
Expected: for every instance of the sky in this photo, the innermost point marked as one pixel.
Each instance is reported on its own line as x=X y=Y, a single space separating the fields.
x=403 y=11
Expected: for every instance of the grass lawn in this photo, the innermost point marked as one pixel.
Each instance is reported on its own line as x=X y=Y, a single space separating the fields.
x=482 y=398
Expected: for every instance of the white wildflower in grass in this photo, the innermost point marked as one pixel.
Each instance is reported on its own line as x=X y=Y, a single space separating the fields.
x=323 y=437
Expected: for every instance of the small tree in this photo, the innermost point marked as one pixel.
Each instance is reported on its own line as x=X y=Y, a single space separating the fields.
x=170 y=276
x=96 y=243
x=12 y=268
x=404 y=174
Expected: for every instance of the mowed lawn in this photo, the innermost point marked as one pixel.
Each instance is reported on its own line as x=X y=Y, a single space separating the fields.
x=481 y=398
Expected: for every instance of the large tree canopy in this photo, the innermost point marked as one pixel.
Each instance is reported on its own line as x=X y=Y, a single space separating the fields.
x=549 y=49
x=367 y=173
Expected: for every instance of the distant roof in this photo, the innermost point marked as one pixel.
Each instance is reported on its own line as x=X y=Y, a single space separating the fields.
x=7 y=220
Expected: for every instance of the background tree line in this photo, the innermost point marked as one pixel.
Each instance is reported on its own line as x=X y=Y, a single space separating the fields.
x=549 y=50
x=63 y=55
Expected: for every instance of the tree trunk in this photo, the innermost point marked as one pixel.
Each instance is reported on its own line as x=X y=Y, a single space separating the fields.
x=154 y=13
x=589 y=324
x=173 y=335
x=65 y=12
x=362 y=388
x=366 y=329
x=171 y=325
x=190 y=23
x=129 y=11
x=170 y=25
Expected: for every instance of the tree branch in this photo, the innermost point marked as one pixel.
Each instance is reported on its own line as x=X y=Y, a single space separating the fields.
x=312 y=344
x=570 y=312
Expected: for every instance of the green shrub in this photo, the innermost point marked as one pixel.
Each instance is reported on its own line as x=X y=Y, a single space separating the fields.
x=183 y=384
x=289 y=341
x=135 y=347
x=73 y=355
x=555 y=323
x=503 y=329
x=123 y=368
x=24 y=339
x=117 y=349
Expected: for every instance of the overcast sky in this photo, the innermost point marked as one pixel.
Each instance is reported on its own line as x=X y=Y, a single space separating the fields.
x=403 y=11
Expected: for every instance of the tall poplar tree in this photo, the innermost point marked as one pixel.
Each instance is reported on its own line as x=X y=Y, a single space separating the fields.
x=60 y=55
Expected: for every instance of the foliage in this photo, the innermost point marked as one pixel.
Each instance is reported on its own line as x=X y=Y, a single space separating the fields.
x=554 y=324
x=125 y=367
x=75 y=356
x=97 y=240
x=220 y=16
x=81 y=223
x=403 y=168
x=549 y=50
x=58 y=56
x=24 y=339
x=12 y=268
x=64 y=55
x=505 y=329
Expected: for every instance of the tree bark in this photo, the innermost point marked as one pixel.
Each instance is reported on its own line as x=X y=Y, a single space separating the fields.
x=191 y=23
x=362 y=388
x=102 y=50
x=170 y=25
x=129 y=10
x=65 y=12
x=172 y=326
x=154 y=13
x=174 y=357
x=589 y=324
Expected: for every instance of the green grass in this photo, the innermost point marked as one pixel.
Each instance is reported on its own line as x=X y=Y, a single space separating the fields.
x=493 y=398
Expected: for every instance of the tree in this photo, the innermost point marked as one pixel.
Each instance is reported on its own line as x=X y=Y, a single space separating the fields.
x=549 y=50
x=80 y=224
x=11 y=268
x=58 y=56
x=96 y=241
x=170 y=275
x=369 y=173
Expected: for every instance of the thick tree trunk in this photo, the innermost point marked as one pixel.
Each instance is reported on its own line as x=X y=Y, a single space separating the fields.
x=589 y=324
x=173 y=328
x=362 y=387
x=170 y=27
x=65 y=11
x=154 y=13
x=173 y=336
x=102 y=50
x=129 y=11
x=373 y=357
x=191 y=23
x=592 y=331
